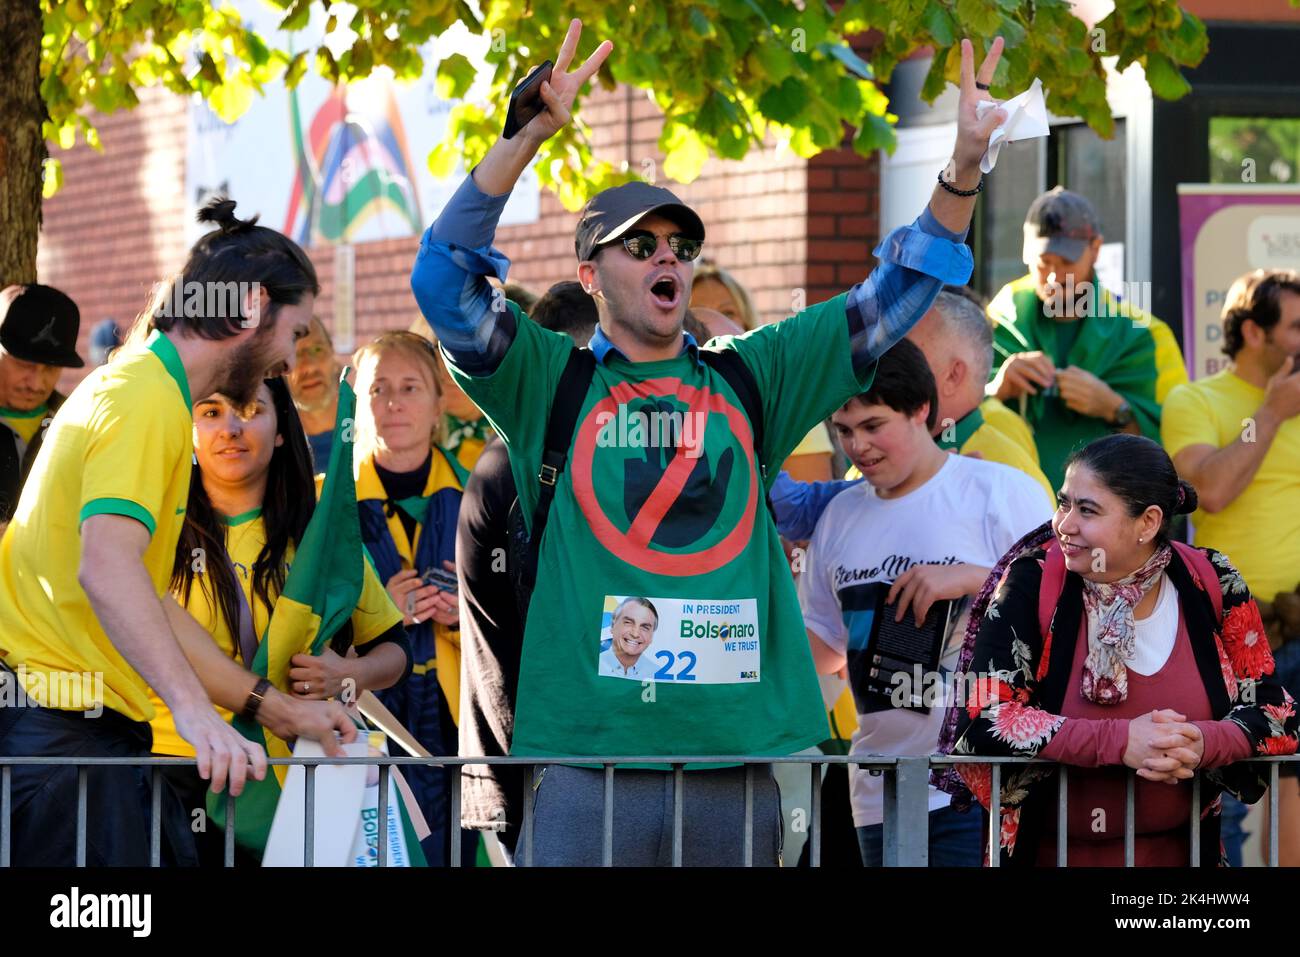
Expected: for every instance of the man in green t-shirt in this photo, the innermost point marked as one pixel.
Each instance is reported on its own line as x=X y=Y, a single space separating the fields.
x=661 y=492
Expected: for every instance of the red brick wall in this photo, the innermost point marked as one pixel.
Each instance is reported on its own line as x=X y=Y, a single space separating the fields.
x=843 y=223
x=116 y=227
x=778 y=223
x=1263 y=11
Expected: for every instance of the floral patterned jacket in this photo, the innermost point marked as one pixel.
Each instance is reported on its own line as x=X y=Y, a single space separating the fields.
x=1013 y=711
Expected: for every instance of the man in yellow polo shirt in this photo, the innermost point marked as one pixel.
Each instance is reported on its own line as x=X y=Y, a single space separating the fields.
x=1235 y=436
x=85 y=630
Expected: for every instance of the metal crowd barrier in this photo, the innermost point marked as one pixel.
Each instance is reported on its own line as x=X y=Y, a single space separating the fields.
x=906 y=804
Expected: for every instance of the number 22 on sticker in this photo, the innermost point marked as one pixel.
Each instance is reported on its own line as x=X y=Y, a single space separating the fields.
x=665 y=671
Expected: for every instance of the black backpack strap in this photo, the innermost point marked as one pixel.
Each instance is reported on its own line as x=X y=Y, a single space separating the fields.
x=569 y=395
x=728 y=364
x=11 y=473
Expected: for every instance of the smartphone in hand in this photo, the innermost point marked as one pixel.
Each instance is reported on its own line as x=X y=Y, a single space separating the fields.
x=526 y=100
x=440 y=578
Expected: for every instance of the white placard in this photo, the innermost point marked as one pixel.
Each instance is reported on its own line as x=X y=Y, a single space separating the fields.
x=339 y=792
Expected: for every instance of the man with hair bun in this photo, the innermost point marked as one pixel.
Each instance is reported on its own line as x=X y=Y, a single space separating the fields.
x=1235 y=435
x=86 y=561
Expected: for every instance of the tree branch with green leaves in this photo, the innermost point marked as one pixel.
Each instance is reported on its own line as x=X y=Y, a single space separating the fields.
x=727 y=75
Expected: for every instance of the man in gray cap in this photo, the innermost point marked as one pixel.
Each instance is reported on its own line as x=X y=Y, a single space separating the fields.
x=1069 y=356
x=650 y=456
x=38 y=340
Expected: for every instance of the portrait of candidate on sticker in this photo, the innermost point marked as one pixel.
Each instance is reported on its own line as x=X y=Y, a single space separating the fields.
x=671 y=639
x=628 y=634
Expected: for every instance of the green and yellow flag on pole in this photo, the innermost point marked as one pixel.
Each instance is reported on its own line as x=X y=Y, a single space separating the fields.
x=320 y=594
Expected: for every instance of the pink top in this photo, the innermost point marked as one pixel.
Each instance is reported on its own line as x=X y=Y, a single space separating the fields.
x=1095 y=735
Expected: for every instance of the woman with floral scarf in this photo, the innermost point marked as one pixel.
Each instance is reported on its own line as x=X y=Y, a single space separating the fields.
x=1098 y=643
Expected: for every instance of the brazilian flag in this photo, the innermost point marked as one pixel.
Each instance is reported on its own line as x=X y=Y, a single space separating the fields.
x=320 y=594
x=1131 y=351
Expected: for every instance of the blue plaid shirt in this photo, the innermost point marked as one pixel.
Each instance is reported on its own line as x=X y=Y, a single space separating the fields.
x=456 y=256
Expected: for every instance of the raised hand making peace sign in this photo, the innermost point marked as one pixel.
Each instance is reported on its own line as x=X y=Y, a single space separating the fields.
x=507 y=159
x=560 y=90
x=973 y=131
x=953 y=203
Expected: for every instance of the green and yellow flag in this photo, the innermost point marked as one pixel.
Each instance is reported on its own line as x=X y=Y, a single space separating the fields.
x=320 y=594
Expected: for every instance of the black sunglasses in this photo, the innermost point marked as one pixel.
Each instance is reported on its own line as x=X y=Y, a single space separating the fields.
x=642 y=245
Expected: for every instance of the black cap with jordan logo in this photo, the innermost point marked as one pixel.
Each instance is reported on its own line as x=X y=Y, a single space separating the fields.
x=612 y=212
x=40 y=324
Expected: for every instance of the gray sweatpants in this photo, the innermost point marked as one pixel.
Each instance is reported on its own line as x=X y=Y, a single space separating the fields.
x=569 y=811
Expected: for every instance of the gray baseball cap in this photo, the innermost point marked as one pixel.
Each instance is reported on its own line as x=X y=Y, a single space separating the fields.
x=1060 y=222
x=612 y=212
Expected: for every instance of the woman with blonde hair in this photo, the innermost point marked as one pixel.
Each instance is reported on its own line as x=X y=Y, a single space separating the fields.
x=465 y=429
x=715 y=288
x=409 y=492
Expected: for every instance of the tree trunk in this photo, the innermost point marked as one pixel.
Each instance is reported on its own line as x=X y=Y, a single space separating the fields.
x=22 y=147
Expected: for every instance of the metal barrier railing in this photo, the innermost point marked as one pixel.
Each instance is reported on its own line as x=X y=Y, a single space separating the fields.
x=906 y=805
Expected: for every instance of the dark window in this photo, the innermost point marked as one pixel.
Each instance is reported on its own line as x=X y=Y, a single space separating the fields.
x=1008 y=191
x=1082 y=161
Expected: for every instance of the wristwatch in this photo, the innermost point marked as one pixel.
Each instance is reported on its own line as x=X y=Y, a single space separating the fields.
x=255 y=698
x=1123 y=416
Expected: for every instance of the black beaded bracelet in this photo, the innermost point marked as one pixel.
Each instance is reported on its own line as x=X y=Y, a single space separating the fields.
x=960 y=192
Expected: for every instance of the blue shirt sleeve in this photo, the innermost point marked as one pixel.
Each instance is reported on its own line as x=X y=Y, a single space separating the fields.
x=916 y=262
x=798 y=505
x=450 y=283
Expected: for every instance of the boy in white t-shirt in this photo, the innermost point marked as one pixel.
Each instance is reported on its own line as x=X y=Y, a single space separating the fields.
x=926 y=526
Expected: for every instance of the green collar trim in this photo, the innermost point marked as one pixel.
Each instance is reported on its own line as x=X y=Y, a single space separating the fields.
x=961 y=431
x=15 y=414
x=162 y=347
x=244 y=517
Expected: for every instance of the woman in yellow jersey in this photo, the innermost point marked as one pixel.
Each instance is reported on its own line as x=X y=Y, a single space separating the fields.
x=408 y=493
x=250 y=500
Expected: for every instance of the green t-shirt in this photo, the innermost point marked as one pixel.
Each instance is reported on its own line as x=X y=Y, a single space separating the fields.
x=714 y=658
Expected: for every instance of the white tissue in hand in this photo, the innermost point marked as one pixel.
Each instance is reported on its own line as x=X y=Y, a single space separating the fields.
x=1026 y=119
